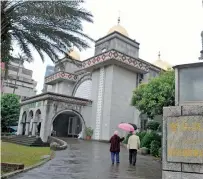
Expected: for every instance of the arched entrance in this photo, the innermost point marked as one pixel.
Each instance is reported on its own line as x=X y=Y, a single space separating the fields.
x=38 y=120
x=68 y=124
x=36 y=124
x=23 y=123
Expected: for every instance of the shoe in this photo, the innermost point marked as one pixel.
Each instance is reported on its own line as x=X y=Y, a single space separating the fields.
x=112 y=163
x=133 y=164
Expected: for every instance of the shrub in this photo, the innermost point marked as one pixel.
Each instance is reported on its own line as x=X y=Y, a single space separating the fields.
x=141 y=135
x=148 y=138
x=89 y=131
x=154 y=148
x=159 y=128
x=153 y=125
x=126 y=139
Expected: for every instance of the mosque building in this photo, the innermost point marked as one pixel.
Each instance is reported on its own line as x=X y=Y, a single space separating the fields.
x=92 y=93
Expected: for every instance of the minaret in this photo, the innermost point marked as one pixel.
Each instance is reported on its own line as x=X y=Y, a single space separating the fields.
x=201 y=52
x=159 y=56
x=119 y=18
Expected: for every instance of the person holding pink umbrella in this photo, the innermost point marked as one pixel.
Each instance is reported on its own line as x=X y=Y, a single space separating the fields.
x=115 y=147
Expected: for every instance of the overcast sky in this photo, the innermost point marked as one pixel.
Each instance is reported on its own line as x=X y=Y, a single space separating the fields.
x=172 y=27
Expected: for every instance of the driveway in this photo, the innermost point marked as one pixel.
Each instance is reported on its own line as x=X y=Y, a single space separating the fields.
x=91 y=160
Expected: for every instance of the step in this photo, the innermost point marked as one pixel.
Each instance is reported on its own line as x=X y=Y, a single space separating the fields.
x=25 y=140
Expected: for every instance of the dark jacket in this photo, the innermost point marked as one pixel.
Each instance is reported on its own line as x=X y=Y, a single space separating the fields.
x=115 y=143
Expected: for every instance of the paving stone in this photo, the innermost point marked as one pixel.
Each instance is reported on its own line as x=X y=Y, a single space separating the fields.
x=191 y=176
x=172 y=111
x=171 y=175
x=191 y=110
x=193 y=168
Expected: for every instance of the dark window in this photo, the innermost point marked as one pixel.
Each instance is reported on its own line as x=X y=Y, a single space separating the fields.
x=143 y=121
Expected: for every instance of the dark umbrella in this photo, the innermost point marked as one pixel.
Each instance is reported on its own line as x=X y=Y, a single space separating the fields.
x=135 y=127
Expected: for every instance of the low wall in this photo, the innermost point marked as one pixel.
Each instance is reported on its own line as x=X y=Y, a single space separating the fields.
x=62 y=145
x=9 y=167
x=182 y=147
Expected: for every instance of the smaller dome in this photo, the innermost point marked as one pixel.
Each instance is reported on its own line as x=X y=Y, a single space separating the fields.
x=118 y=28
x=162 y=64
x=74 y=54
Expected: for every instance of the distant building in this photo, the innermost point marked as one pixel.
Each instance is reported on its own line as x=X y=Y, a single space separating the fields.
x=49 y=71
x=19 y=78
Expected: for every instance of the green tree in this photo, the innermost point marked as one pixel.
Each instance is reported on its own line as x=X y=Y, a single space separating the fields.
x=150 y=98
x=10 y=110
x=50 y=27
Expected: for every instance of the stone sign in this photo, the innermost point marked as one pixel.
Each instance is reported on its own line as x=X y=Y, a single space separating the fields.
x=185 y=139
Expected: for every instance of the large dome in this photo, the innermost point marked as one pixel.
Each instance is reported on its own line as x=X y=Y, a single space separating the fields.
x=118 y=28
x=74 y=54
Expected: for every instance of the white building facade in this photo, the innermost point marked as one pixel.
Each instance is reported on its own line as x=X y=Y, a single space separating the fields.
x=93 y=93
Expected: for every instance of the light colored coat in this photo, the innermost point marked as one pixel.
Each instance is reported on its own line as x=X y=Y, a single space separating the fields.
x=133 y=142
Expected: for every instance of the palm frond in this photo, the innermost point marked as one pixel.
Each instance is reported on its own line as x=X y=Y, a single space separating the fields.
x=51 y=27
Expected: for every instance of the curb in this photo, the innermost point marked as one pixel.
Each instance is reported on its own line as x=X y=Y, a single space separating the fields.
x=8 y=175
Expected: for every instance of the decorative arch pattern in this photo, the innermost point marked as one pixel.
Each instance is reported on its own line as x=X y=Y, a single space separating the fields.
x=83 y=88
x=30 y=115
x=38 y=115
x=24 y=117
x=75 y=125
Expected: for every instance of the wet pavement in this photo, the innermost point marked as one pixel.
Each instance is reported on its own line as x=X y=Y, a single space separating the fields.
x=91 y=160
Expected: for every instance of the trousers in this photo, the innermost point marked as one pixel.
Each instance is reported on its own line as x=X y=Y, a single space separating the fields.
x=132 y=156
x=113 y=155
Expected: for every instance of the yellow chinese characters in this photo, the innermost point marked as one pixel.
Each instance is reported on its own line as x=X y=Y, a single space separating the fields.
x=173 y=126
x=185 y=152
x=184 y=126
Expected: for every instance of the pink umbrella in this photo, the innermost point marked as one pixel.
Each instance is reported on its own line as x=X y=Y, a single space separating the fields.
x=126 y=127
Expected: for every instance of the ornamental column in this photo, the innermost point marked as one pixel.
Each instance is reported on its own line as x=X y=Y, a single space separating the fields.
x=27 y=127
x=20 y=129
x=34 y=125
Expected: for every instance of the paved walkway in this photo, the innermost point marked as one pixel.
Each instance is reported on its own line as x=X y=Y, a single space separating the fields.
x=91 y=160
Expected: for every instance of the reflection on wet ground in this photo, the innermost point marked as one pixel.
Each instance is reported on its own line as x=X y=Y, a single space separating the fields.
x=91 y=160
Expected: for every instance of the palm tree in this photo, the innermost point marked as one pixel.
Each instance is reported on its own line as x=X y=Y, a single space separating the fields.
x=50 y=27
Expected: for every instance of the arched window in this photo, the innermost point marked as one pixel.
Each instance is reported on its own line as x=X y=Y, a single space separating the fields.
x=84 y=90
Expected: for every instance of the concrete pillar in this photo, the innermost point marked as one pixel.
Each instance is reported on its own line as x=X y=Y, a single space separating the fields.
x=20 y=129
x=34 y=125
x=45 y=130
x=27 y=127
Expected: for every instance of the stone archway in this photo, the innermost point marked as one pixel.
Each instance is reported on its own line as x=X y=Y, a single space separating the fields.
x=23 y=124
x=36 y=123
x=68 y=123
